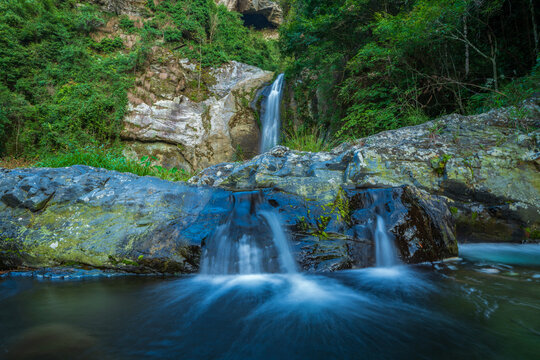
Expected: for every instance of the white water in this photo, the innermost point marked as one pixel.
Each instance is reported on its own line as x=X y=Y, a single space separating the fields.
x=286 y=258
x=250 y=253
x=271 y=116
x=385 y=252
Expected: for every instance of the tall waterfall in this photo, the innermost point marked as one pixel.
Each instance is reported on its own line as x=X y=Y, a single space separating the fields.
x=271 y=116
x=251 y=241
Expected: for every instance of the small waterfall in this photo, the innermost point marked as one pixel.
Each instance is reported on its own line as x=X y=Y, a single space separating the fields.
x=271 y=116
x=385 y=252
x=379 y=206
x=280 y=240
x=251 y=241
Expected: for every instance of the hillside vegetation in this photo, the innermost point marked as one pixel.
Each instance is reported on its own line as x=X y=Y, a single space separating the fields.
x=353 y=67
x=61 y=89
x=357 y=67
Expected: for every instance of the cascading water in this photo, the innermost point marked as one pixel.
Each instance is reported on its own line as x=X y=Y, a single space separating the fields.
x=385 y=252
x=379 y=208
x=251 y=241
x=271 y=115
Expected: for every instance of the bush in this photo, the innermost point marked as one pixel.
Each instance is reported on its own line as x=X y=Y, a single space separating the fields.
x=127 y=25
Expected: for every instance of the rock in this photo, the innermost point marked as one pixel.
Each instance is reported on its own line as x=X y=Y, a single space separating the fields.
x=104 y=219
x=128 y=7
x=110 y=220
x=53 y=341
x=190 y=129
x=340 y=235
x=271 y=10
x=485 y=164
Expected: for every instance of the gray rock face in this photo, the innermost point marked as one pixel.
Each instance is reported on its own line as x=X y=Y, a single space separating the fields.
x=486 y=165
x=82 y=216
x=167 y=122
x=267 y=8
x=128 y=7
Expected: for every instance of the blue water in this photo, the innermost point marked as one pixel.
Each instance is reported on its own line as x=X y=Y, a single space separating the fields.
x=462 y=309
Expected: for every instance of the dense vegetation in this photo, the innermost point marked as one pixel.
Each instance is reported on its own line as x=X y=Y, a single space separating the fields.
x=354 y=67
x=361 y=66
x=61 y=90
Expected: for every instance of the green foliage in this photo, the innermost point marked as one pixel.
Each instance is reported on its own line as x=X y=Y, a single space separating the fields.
x=127 y=25
x=317 y=221
x=58 y=86
x=60 y=89
x=210 y=34
x=361 y=67
x=438 y=163
x=511 y=94
x=107 y=45
x=112 y=159
x=305 y=139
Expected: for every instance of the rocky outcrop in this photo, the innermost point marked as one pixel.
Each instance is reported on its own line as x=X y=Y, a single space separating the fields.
x=487 y=166
x=192 y=119
x=128 y=7
x=271 y=10
x=82 y=216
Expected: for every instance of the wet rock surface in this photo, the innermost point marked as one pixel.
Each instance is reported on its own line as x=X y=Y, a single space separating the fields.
x=109 y=220
x=424 y=182
x=486 y=166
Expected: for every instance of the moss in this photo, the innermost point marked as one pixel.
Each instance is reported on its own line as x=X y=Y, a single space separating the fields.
x=438 y=163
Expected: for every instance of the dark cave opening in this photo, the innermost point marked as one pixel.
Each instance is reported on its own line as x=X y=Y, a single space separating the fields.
x=257 y=21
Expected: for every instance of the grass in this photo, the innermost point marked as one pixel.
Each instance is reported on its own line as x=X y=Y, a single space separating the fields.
x=305 y=139
x=112 y=159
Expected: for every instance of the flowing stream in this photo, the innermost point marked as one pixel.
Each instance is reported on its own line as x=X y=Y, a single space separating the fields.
x=250 y=302
x=271 y=120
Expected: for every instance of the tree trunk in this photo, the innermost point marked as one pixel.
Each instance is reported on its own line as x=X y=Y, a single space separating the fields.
x=467 y=53
x=535 y=30
x=493 y=45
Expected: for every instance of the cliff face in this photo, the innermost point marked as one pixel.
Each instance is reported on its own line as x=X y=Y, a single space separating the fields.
x=267 y=8
x=128 y=7
x=193 y=119
x=179 y=114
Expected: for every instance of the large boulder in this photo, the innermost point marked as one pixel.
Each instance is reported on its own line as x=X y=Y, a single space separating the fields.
x=190 y=118
x=487 y=166
x=270 y=10
x=82 y=216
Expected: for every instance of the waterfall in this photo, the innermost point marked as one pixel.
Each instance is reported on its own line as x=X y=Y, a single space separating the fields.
x=385 y=252
x=280 y=241
x=271 y=116
x=251 y=241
